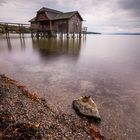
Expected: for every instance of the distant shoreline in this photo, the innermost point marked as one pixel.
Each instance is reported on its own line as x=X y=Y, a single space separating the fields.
x=121 y=33
x=96 y=33
x=93 y=33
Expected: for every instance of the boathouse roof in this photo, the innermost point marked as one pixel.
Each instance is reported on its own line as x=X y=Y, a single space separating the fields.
x=48 y=10
x=67 y=15
x=55 y=14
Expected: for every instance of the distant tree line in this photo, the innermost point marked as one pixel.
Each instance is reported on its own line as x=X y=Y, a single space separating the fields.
x=93 y=33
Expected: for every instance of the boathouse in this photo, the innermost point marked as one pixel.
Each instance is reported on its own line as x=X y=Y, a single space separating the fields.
x=50 y=22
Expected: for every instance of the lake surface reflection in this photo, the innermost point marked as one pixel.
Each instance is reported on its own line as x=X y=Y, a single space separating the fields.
x=103 y=66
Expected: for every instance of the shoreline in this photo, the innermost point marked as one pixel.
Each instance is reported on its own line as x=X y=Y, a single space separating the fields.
x=25 y=115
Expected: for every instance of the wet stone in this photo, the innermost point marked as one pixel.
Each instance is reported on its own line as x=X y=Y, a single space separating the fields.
x=86 y=107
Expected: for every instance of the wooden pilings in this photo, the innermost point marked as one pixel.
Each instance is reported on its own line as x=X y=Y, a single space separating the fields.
x=72 y=34
x=43 y=34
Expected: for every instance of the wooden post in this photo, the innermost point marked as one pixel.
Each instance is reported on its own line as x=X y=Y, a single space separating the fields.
x=67 y=28
x=22 y=30
x=73 y=35
x=44 y=34
x=79 y=34
x=6 y=30
x=67 y=34
x=37 y=34
x=50 y=28
x=19 y=30
x=50 y=25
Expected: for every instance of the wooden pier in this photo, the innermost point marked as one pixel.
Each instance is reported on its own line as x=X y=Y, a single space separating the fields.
x=8 y=28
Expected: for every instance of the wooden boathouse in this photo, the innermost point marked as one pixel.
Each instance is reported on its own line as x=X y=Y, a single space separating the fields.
x=50 y=23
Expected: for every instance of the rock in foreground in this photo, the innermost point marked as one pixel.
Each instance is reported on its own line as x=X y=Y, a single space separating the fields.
x=86 y=106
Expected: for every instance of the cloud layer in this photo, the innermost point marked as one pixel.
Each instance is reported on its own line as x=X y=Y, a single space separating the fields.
x=100 y=15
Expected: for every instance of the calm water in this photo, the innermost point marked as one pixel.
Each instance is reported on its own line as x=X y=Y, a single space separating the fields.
x=103 y=66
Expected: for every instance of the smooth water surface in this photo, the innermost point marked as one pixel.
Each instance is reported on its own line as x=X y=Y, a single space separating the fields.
x=106 y=67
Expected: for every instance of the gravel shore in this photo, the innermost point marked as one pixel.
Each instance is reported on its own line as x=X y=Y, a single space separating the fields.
x=25 y=116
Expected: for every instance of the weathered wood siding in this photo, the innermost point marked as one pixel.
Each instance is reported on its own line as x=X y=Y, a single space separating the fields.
x=35 y=26
x=40 y=26
x=41 y=16
x=75 y=24
x=60 y=26
x=46 y=26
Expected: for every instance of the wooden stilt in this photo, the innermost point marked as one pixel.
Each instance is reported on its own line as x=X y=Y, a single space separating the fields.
x=37 y=34
x=73 y=35
x=67 y=34
x=79 y=34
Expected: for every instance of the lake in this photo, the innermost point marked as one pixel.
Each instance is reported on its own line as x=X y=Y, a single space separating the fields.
x=106 y=67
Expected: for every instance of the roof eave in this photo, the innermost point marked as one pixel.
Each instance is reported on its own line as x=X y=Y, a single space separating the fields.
x=80 y=16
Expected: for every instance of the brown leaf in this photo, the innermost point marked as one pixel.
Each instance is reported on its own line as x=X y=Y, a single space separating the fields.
x=96 y=133
x=37 y=125
x=33 y=96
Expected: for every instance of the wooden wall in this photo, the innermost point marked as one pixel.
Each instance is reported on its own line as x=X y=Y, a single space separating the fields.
x=71 y=25
x=35 y=26
x=61 y=26
x=40 y=26
x=41 y=16
x=75 y=24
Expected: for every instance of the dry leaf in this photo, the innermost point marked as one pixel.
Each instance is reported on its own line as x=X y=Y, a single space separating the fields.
x=37 y=125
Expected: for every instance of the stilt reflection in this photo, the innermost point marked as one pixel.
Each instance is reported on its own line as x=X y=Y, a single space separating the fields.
x=57 y=46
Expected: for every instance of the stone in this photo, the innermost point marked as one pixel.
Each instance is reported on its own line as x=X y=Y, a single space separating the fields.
x=86 y=107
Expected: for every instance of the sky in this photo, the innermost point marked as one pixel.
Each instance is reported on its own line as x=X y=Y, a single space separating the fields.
x=104 y=16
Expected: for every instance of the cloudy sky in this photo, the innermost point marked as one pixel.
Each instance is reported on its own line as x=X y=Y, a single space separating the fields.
x=100 y=15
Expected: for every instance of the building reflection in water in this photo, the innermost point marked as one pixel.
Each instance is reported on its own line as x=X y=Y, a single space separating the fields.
x=57 y=46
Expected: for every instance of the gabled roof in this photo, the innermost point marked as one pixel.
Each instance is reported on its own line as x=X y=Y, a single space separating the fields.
x=67 y=15
x=55 y=14
x=44 y=9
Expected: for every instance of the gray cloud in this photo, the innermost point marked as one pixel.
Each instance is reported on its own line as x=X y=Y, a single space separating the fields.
x=100 y=15
x=2 y=2
x=132 y=6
